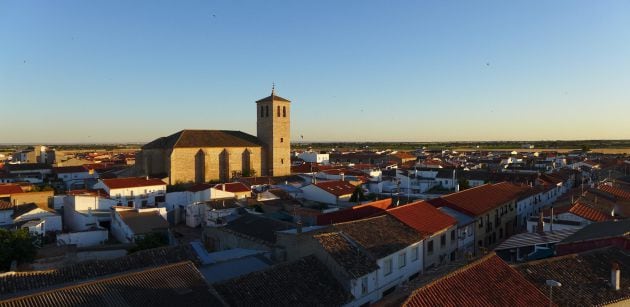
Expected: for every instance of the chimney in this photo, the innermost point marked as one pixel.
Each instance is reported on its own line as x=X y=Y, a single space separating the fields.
x=298 y=227
x=343 y=176
x=541 y=224
x=147 y=177
x=615 y=276
x=223 y=187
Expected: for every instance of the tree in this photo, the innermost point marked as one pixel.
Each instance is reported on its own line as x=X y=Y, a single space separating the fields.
x=357 y=195
x=16 y=245
x=150 y=240
x=463 y=184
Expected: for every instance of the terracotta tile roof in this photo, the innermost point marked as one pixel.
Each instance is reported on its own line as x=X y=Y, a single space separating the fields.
x=588 y=212
x=143 y=222
x=352 y=259
x=305 y=281
x=479 y=200
x=20 y=282
x=617 y=192
x=423 y=217
x=380 y=236
x=355 y=213
x=204 y=138
x=69 y=169
x=132 y=182
x=5 y=205
x=10 y=189
x=336 y=187
x=585 y=277
x=233 y=187
x=174 y=284
x=488 y=281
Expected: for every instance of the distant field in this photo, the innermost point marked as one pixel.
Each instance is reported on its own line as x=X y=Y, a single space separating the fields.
x=560 y=150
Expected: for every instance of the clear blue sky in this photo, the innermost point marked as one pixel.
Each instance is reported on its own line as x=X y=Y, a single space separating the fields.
x=118 y=71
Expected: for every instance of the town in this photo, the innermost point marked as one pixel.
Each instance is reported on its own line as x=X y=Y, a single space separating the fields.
x=226 y=218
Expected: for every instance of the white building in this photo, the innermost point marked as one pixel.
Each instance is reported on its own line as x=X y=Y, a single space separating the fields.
x=134 y=192
x=328 y=192
x=87 y=210
x=395 y=247
x=314 y=157
x=74 y=176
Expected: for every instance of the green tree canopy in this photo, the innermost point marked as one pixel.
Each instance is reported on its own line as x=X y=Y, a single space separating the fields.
x=16 y=245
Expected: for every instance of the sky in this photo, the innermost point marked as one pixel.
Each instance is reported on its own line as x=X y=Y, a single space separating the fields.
x=132 y=71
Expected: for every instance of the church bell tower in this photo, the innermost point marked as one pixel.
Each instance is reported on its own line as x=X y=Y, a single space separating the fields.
x=274 y=131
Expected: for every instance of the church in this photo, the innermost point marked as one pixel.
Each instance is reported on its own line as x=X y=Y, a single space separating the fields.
x=218 y=155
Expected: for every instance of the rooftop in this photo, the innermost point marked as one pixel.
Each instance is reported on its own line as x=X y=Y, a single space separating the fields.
x=423 y=217
x=336 y=187
x=144 y=221
x=351 y=258
x=479 y=200
x=168 y=285
x=132 y=182
x=15 y=283
x=488 y=281
x=204 y=138
x=585 y=277
x=380 y=236
x=600 y=230
x=301 y=282
x=257 y=227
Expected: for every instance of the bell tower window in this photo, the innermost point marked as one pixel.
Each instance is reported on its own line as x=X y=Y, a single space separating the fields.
x=267 y=111
x=284 y=111
x=278 y=111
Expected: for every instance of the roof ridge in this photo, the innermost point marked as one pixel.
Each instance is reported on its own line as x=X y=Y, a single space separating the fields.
x=72 y=285
x=471 y=265
x=363 y=219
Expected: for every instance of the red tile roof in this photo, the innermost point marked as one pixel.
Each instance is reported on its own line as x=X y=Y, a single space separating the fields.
x=10 y=189
x=618 y=192
x=355 y=213
x=589 y=213
x=488 y=281
x=479 y=200
x=423 y=217
x=232 y=187
x=5 y=205
x=337 y=187
x=132 y=182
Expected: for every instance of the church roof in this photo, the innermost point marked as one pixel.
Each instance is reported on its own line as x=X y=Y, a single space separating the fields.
x=273 y=97
x=205 y=138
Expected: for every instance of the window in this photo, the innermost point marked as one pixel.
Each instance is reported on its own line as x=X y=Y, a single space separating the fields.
x=452 y=235
x=430 y=247
x=414 y=253
x=480 y=222
x=281 y=140
x=388 y=267
x=278 y=111
x=262 y=111
x=364 y=285
x=402 y=259
x=266 y=111
x=284 y=111
x=281 y=161
x=443 y=240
